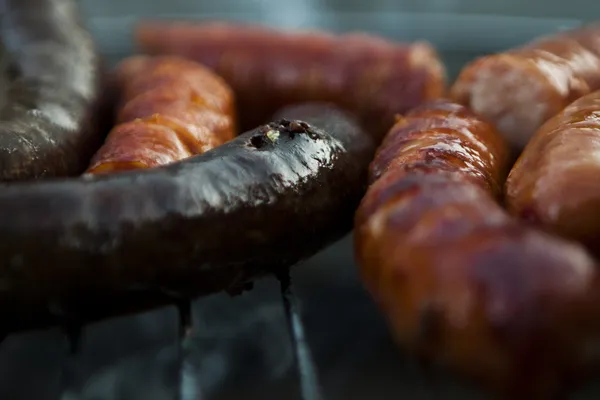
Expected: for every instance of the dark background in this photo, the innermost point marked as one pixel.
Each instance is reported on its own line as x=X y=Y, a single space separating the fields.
x=241 y=346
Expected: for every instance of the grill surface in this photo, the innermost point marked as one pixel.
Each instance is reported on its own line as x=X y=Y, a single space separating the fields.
x=240 y=347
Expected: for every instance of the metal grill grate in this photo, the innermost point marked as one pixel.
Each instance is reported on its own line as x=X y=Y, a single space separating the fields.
x=188 y=387
x=309 y=384
x=69 y=376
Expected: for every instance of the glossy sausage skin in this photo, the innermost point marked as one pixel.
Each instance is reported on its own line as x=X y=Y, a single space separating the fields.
x=555 y=181
x=52 y=120
x=267 y=68
x=520 y=89
x=107 y=244
x=172 y=108
x=460 y=281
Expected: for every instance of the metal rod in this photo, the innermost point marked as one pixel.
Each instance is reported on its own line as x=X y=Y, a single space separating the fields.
x=69 y=374
x=188 y=388
x=309 y=384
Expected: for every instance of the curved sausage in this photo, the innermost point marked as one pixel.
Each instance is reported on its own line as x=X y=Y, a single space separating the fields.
x=555 y=181
x=461 y=282
x=172 y=108
x=371 y=77
x=520 y=89
x=52 y=120
x=107 y=244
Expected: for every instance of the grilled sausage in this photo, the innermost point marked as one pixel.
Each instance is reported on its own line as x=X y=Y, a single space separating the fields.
x=51 y=122
x=371 y=77
x=114 y=243
x=460 y=281
x=554 y=182
x=520 y=89
x=172 y=109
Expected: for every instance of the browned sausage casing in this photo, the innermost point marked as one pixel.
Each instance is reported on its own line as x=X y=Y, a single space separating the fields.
x=172 y=109
x=522 y=88
x=372 y=77
x=555 y=182
x=460 y=281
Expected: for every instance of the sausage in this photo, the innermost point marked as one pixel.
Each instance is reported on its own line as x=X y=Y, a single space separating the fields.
x=53 y=117
x=461 y=282
x=553 y=184
x=369 y=76
x=172 y=108
x=87 y=248
x=520 y=89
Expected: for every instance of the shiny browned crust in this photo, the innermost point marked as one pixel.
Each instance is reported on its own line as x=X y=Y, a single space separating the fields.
x=172 y=109
x=460 y=281
x=555 y=181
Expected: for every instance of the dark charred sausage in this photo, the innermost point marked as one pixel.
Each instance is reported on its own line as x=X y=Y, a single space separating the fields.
x=371 y=77
x=554 y=183
x=51 y=122
x=115 y=243
x=520 y=89
x=460 y=281
x=172 y=108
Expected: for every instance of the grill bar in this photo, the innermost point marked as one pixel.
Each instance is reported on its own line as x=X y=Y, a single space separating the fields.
x=187 y=376
x=309 y=384
x=69 y=374
x=188 y=388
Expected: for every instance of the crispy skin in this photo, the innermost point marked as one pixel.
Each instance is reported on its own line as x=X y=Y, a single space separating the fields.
x=371 y=77
x=460 y=281
x=52 y=113
x=172 y=109
x=520 y=89
x=104 y=245
x=554 y=183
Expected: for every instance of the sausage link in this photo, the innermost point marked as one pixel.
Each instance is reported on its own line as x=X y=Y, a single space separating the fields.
x=460 y=281
x=52 y=119
x=124 y=242
x=172 y=109
x=554 y=182
x=520 y=89
x=371 y=77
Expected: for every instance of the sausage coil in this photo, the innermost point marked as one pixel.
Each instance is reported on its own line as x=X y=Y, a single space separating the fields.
x=369 y=76
x=99 y=245
x=172 y=109
x=461 y=282
x=554 y=182
x=520 y=89
x=51 y=121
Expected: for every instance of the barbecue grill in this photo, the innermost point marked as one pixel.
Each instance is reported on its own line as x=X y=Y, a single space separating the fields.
x=317 y=338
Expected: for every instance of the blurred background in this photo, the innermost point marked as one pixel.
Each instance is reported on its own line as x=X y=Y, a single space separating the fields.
x=241 y=348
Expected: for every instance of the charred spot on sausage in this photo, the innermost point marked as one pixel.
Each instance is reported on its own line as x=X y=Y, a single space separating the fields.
x=258 y=141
